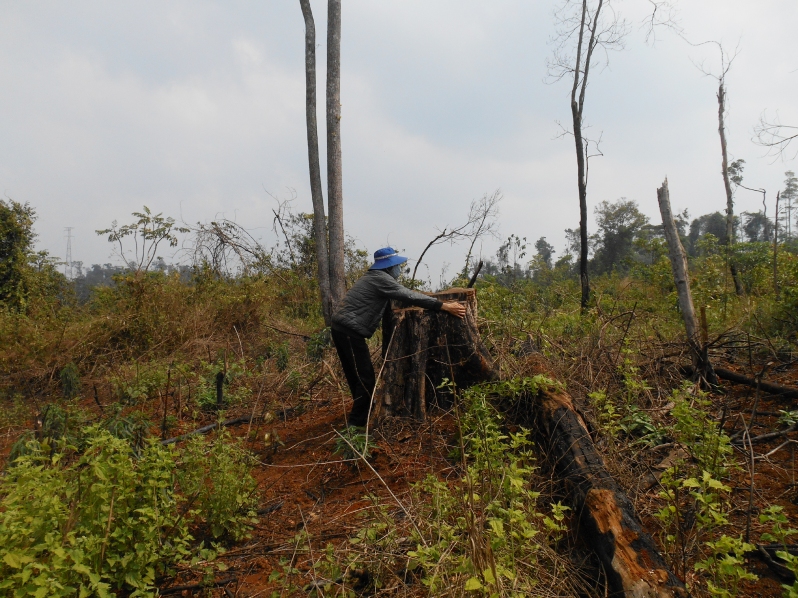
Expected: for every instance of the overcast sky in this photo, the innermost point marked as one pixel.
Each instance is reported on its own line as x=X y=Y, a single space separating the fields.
x=196 y=109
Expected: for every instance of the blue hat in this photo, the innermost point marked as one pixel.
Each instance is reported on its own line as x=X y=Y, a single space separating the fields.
x=386 y=257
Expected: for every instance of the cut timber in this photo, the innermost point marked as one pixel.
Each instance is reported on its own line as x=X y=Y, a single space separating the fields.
x=424 y=347
x=607 y=519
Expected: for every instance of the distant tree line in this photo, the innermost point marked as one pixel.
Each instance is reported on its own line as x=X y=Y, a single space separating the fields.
x=625 y=237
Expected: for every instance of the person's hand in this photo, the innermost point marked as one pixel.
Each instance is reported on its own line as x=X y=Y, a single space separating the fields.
x=455 y=308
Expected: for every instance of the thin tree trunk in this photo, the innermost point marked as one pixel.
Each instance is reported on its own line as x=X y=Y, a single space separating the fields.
x=316 y=193
x=776 y=246
x=580 y=167
x=334 y=174
x=577 y=109
x=681 y=277
x=738 y=287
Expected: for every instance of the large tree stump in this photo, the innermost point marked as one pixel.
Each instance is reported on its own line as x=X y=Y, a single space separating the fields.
x=607 y=519
x=423 y=348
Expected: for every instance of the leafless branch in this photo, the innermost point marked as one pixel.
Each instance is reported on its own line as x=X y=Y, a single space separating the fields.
x=774 y=135
x=481 y=222
x=663 y=15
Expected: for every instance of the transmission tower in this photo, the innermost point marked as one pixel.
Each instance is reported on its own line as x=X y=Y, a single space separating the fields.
x=68 y=262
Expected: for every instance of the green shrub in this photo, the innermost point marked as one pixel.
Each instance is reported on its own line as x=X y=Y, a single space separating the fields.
x=90 y=524
x=70 y=381
x=215 y=476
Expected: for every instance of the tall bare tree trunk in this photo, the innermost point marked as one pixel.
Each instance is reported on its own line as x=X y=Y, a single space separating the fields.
x=316 y=193
x=335 y=202
x=582 y=183
x=581 y=72
x=681 y=277
x=738 y=287
x=776 y=246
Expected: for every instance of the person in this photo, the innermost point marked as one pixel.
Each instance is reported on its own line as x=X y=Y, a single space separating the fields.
x=359 y=313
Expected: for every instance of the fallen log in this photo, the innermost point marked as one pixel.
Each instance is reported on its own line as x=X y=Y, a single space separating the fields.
x=423 y=349
x=607 y=519
x=787 y=392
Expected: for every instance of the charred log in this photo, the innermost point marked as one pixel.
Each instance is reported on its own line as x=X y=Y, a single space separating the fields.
x=606 y=517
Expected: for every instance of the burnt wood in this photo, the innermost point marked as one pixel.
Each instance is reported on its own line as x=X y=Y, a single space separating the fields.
x=424 y=347
x=607 y=519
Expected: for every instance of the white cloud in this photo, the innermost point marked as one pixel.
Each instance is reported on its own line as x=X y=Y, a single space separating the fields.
x=194 y=107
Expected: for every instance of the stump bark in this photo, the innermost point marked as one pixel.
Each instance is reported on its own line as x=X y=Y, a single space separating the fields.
x=607 y=519
x=421 y=349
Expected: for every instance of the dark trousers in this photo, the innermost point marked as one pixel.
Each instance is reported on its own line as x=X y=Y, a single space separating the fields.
x=356 y=361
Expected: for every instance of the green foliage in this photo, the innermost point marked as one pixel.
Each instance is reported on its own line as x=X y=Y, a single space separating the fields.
x=57 y=426
x=90 y=524
x=234 y=390
x=133 y=428
x=16 y=244
x=485 y=532
x=725 y=565
x=281 y=355
x=70 y=380
x=352 y=443
x=138 y=383
x=216 y=476
x=26 y=277
x=318 y=343
x=779 y=532
x=148 y=232
x=698 y=433
x=619 y=224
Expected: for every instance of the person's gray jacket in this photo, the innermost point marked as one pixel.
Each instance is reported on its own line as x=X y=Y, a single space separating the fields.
x=360 y=311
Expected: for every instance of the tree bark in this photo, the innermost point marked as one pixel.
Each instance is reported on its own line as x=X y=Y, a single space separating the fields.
x=681 y=277
x=316 y=193
x=578 y=92
x=582 y=184
x=427 y=347
x=738 y=287
x=335 y=200
x=607 y=519
x=776 y=246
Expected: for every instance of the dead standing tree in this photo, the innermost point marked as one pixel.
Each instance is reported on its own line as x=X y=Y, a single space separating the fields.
x=319 y=217
x=681 y=277
x=588 y=25
x=725 y=64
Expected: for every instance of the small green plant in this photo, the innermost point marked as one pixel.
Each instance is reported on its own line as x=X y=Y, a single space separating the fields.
x=92 y=523
x=699 y=434
x=352 y=443
x=779 y=532
x=216 y=476
x=134 y=428
x=70 y=381
x=234 y=392
x=318 y=343
x=725 y=565
x=140 y=382
x=282 y=355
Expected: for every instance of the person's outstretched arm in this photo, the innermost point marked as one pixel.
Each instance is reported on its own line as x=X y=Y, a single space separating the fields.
x=392 y=289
